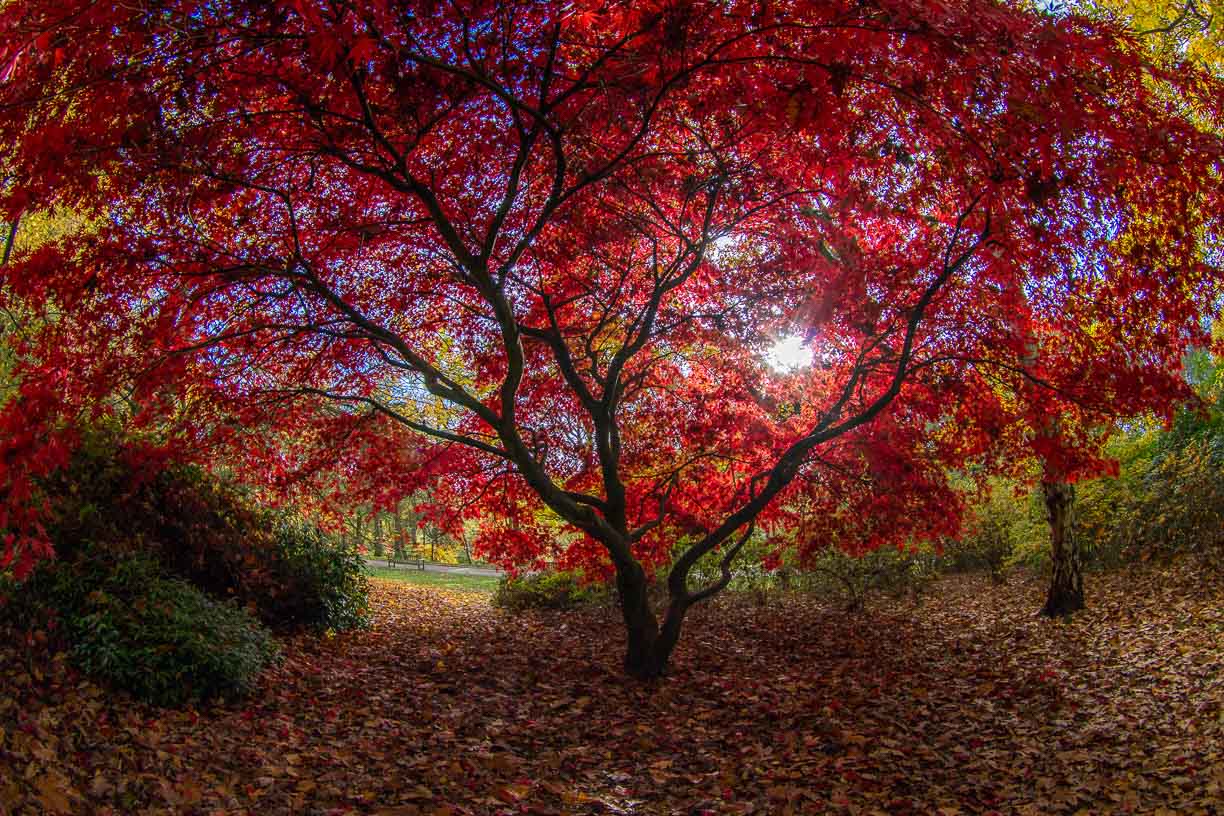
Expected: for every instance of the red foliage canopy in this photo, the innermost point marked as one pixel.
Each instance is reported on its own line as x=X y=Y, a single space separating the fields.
x=560 y=239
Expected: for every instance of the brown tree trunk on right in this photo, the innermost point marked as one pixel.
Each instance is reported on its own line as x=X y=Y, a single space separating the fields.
x=1066 y=593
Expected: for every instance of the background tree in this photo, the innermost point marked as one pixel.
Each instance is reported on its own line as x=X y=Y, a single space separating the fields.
x=1173 y=34
x=1172 y=30
x=581 y=229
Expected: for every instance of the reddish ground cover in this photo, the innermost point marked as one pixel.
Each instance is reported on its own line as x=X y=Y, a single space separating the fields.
x=964 y=702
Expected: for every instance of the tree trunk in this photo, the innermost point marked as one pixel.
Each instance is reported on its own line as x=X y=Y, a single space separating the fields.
x=399 y=529
x=1066 y=593
x=359 y=532
x=377 y=529
x=411 y=523
x=649 y=645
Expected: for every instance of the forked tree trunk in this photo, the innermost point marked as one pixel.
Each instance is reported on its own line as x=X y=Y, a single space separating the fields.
x=1066 y=593
x=649 y=644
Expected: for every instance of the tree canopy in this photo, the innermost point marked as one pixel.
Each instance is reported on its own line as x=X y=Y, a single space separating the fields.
x=557 y=242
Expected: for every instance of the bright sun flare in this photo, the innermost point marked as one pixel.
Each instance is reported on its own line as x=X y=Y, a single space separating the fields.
x=790 y=353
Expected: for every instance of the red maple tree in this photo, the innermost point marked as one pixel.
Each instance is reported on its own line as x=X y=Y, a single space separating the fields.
x=560 y=240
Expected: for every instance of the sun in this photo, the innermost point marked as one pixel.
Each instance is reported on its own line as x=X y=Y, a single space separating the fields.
x=790 y=353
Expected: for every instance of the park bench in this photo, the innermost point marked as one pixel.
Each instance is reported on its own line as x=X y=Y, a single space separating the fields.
x=407 y=560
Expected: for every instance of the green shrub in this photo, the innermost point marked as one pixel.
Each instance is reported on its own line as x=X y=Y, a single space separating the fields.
x=159 y=638
x=1168 y=498
x=288 y=571
x=852 y=578
x=994 y=529
x=207 y=531
x=547 y=590
x=830 y=572
x=748 y=573
x=985 y=546
x=315 y=581
x=1181 y=508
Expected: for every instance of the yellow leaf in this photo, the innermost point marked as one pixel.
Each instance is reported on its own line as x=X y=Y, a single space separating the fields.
x=513 y=793
x=54 y=792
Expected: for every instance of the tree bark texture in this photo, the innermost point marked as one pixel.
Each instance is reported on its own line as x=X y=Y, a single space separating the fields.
x=1066 y=593
x=649 y=645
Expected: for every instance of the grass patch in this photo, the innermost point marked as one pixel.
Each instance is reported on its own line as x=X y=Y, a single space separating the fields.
x=445 y=580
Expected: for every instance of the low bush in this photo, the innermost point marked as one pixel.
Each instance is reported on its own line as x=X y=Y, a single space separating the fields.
x=207 y=531
x=748 y=574
x=164 y=641
x=852 y=578
x=290 y=573
x=1181 y=508
x=314 y=581
x=830 y=572
x=548 y=590
x=991 y=534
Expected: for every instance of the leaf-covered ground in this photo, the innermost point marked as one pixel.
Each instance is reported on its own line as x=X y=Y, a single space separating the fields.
x=963 y=703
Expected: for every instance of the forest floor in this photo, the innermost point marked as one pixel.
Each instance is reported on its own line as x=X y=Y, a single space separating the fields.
x=962 y=703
